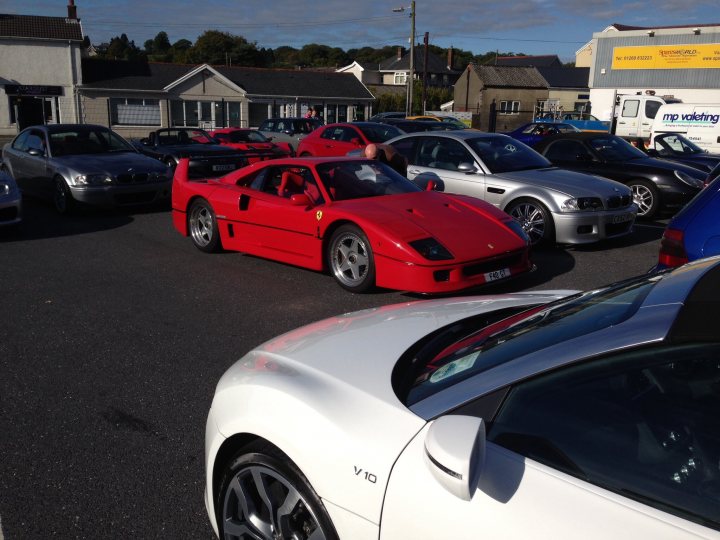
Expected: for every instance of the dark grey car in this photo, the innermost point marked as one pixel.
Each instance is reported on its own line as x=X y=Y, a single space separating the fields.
x=71 y=163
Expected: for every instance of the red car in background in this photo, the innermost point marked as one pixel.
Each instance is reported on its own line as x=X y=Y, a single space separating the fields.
x=357 y=219
x=258 y=146
x=339 y=139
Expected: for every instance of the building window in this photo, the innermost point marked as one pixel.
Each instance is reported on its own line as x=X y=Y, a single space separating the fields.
x=400 y=77
x=203 y=114
x=135 y=112
x=509 y=107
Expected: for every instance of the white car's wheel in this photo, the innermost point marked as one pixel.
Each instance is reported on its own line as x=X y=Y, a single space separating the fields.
x=61 y=196
x=263 y=496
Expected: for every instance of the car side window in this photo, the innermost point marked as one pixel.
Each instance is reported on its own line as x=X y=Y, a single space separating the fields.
x=36 y=141
x=630 y=108
x=20 y=143
x=406 y=148
x=567 y=151
x=448 y=154
x=643 y=424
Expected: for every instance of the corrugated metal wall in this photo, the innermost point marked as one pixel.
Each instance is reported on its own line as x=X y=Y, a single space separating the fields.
x=653 y=78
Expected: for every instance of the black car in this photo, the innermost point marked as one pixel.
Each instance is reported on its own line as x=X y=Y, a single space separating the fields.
x=675 y=147
x=413 y=126
x=380 y=117
x=657 y=184
x=207 y=157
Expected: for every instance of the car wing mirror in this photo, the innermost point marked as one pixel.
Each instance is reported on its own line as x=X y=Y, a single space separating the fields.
x=455 y=453
x=300 y=199
x=36 y=152
x=145 y=142
x=583 y=157
x=467 y=168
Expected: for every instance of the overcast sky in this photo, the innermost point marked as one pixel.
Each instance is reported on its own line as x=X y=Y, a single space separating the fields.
x=533 y=27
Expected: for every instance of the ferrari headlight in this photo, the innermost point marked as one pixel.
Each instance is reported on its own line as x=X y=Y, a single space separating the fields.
x=582 y=204
x=431 y=249
x=689 y=180
x=93 y=179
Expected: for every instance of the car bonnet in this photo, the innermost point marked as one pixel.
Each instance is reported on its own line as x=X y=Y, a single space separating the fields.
x=570 y=183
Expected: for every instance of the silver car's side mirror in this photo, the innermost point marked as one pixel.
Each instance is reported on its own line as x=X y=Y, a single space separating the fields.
x=455 y=453
x=467 y=168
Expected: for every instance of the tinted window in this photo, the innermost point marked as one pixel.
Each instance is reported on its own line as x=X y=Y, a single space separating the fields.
x=358 y=179
x=651 y=108
x=643 y=424
x=614 y=148
x=87 y=140
x=567 y=151
x=379 y=134
x=20 y=142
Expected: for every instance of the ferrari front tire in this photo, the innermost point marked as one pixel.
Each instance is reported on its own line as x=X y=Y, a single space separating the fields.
x=203 y=227
x=263 y=495
x=350 y=259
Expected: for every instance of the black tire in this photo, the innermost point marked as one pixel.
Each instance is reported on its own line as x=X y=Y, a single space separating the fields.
x=203 y=227
x=646 y=196
x=62 y=197
x=535 y=219
x=350 y=259
x=281 y=481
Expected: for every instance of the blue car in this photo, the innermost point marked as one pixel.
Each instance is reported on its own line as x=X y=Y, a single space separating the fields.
x=695 y=231
x=535 y=131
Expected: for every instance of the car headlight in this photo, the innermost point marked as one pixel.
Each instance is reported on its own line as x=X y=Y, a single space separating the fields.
x=431 y=249
x=93 y=179
x=4 y=188
x=689 y=180
x=582 y=204
x=515 y=227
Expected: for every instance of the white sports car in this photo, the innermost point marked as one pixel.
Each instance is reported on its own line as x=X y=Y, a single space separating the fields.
x=554 y=415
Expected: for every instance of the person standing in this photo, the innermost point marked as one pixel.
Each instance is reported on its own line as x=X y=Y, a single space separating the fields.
x=387 y=154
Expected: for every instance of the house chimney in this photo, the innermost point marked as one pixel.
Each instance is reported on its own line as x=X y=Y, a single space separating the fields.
x=72 y=10
x=450 y=58
x=399 y=53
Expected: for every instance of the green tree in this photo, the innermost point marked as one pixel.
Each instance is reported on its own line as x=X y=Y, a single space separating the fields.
x=121 y=48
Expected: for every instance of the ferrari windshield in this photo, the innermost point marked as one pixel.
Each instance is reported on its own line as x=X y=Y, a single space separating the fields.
x=504 y=154
x=471 y=350
x=86 y=140
x=356 y=179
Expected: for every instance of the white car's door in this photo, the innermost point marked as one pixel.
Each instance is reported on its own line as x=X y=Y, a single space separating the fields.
x=621 y=448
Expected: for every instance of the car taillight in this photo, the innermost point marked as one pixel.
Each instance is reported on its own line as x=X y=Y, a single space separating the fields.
x=672 y=249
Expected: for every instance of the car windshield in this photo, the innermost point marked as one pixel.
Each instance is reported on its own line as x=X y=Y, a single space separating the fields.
x=242 y=136
x=87 y=140
x=184 y=136
x=504 y=154
x=472 y=347
x=677 y=144
x=381 y=133
x=357 y=179
x=613 y=148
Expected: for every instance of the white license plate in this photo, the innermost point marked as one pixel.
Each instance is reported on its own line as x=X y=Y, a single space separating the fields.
x=497 y=274
x=226 y=167
x=622 y=218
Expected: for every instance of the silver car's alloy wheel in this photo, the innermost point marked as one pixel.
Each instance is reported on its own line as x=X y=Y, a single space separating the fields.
x=644 y=198
x=62 y=199
x=350 y=259
x=262 y=504
x=203 y=227
x=532 y=219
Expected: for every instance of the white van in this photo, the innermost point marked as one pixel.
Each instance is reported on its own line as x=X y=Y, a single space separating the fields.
x=635 y=115
x=697 y=123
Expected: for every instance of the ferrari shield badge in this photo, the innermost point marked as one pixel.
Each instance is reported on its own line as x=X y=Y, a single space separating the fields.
x=318 y=215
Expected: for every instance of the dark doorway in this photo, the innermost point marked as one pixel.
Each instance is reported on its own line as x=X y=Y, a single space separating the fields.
x=30 y=112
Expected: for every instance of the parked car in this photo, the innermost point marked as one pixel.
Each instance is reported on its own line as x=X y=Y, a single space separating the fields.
x=289 y=130
x=582 y=121
x=207 y=156
x=254 y=145
x=535 y=131
x=552 y=205
x=10 y=200
x=694 y=232
x=379 y=117
x=657 y=184
x=413 y=126
x=675 y=147
x=84 y=163
x=356 y=218
x=339 y=139
x=529 y=415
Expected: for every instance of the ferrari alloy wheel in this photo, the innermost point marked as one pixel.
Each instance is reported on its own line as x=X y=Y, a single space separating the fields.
x=645 y=196
x=534 y=218
x=62 y=198
x=203 y=227
x=350 y=259
x=263 y=496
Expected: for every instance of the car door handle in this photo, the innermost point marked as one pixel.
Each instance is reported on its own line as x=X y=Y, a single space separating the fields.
x=413 y=171
x=497 y=191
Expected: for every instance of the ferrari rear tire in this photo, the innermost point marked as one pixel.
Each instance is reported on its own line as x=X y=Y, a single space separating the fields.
x=203 y=227
x=535 y=219
x=263 y=495
x=351 y=260
x=62 y=197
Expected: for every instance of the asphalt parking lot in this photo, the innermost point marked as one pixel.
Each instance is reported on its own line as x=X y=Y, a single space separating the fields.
x=114 y=333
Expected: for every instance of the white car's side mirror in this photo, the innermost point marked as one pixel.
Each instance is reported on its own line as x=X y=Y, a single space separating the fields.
x=467 y=168
x=455 y=453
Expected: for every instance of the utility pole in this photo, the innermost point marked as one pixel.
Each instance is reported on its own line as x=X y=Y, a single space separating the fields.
x=424 y=79
x=411 y=77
